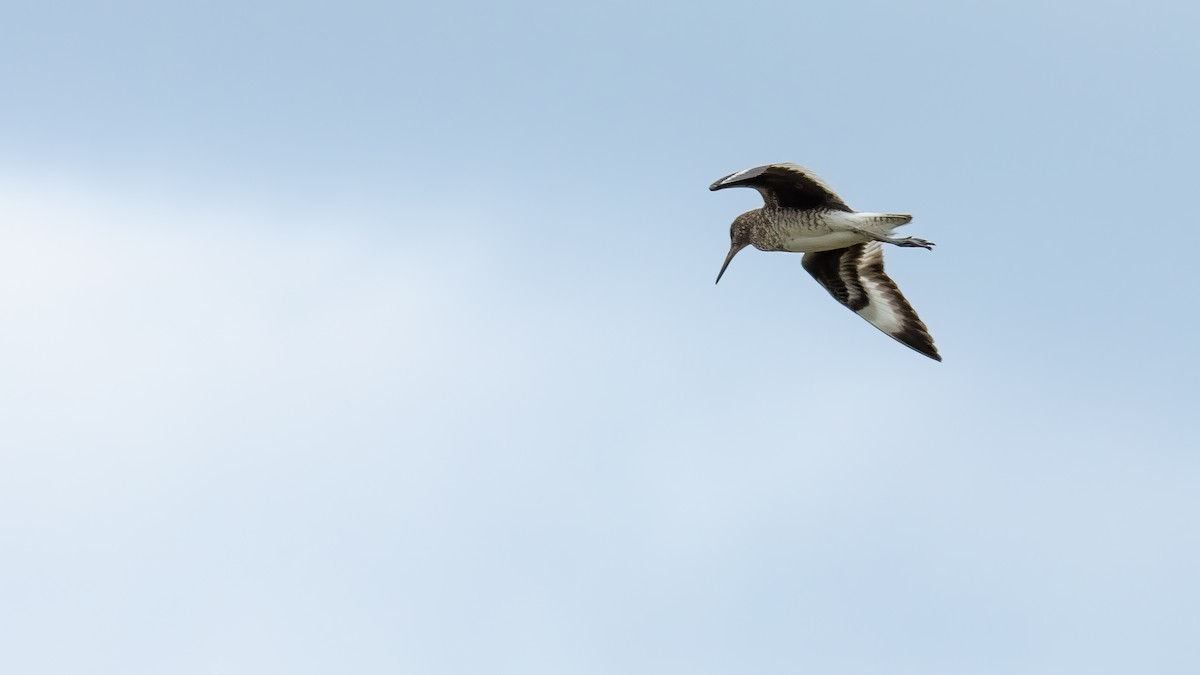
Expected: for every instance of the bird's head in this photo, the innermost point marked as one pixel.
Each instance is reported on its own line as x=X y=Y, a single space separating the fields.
x=739 y=238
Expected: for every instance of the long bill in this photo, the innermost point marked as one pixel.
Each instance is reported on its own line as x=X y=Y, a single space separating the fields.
x=733 y=249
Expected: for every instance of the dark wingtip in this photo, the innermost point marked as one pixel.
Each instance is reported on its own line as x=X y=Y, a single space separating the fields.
x=717 y=184
x=917 y=340
x=922 y=347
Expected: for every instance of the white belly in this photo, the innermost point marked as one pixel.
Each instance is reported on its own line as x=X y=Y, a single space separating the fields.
x=822 y=241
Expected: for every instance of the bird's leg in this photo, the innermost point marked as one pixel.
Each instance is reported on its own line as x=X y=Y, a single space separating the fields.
x=910 y=242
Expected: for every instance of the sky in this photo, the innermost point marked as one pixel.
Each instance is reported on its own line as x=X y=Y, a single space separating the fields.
x=382 y=338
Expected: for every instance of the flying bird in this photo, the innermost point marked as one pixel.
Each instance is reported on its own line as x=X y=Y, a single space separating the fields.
x=843 y=248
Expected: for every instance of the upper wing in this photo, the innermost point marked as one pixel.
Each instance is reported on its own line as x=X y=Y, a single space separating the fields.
x=786 y=185
x=854 y=276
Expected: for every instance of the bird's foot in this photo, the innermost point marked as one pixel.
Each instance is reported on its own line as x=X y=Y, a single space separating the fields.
x=912 y=242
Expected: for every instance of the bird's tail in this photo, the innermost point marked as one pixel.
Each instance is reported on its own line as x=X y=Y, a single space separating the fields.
x=895 y=219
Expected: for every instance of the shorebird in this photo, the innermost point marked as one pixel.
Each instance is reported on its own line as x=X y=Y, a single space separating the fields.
x=843 y=248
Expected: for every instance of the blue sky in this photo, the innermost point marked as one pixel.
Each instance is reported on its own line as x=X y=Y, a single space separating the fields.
x=374 y=338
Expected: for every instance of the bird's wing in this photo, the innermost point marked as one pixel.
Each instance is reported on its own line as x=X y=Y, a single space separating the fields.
x=785 y=185
x=854 y=276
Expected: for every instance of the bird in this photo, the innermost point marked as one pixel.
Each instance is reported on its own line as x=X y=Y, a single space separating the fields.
x=843 y=248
